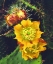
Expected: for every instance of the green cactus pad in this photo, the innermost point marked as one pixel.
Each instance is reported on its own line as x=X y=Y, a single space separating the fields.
x=16 y=58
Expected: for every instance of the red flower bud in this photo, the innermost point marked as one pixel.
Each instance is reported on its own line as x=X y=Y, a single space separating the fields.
x=11 y=19
x=21 y=14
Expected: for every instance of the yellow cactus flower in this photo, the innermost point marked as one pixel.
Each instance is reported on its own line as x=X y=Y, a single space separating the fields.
x=30 y=51
x=27 y=31
x=28 y=35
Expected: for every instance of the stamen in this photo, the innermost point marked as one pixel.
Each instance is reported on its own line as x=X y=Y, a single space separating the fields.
x=28 y=33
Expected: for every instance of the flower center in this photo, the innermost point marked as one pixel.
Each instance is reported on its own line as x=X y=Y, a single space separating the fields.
x=28 y=33
x=31 y=49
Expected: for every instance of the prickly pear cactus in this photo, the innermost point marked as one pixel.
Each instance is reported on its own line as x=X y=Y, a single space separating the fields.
x=35 y=12
x=16 y=58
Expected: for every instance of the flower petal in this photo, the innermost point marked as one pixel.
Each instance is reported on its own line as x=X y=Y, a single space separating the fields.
x=36 y=55
x=17 y=27
x=42 y=42
x=38 y=34
x=35 y=41
x=36 y=24
x=24 y=56
x=26 y=23
x=42 y=48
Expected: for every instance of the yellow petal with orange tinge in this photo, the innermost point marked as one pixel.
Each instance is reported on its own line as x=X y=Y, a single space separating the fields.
x=35 y=41
x=24 y=56
x=36 y=24
x=25 y=23
x=17 y=33
x=17 y=27
x=24 y=42
x=38 y=34
x=19 y=39
x=42 y=48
